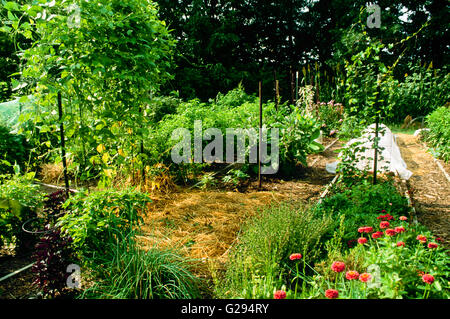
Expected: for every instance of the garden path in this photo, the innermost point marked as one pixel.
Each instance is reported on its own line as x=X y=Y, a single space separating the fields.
x=430 y=190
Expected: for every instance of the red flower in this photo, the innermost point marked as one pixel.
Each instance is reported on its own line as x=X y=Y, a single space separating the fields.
x=400 y=229
x=377 y=234
x=352 y=274
x=401 y=243
x=338 y=266
x=432 y=245
x=366 y=229
x=404 y=218
x=439 y=239
x=295 y=256
x=421 y=238
x=331 y=293
x=427 y=278
x=381 y=217
x=384 y=225
x=390 y=232
x=279 y=294
x=362 y=240
x=365 y=277
x=383 y=211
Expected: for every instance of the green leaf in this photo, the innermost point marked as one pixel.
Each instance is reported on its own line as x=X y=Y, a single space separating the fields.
x=11 y=16
x=11 y=6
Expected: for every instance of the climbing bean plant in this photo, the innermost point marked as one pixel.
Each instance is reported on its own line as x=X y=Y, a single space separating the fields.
x=106 y=57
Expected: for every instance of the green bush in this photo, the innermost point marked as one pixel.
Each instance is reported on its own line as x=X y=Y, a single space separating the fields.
x=361 y=204
x=238 y=110
x=439 y=135
x=13 y=149
x=259 y=261
x=101 y=217
x=422 y=91
x=330 y=117
x=20 y=199
x=128 y=272
x=400 y=268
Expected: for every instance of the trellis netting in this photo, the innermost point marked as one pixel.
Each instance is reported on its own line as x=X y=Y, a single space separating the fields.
x=389 y=156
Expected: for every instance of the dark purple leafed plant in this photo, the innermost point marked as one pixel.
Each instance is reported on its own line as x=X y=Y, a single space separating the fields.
x=52 y=256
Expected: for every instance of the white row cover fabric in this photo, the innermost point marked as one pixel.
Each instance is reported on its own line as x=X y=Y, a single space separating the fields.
x=389 y=159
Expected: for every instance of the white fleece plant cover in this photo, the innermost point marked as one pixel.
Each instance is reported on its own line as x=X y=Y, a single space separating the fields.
x=389 y=159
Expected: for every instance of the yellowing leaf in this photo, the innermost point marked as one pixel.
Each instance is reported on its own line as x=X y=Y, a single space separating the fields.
x=121 y=152
x=101 y=148
x=108 y=172
x=105 y=158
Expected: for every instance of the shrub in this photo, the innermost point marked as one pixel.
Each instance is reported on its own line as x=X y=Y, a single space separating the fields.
x=265 y=245
x=422 y=91
x=439 y=135
x=13 y=149
x=96 y=219
x=330 y=116
x=19 y=201
x=400 y=268
x=361 y=204
x=129 y=272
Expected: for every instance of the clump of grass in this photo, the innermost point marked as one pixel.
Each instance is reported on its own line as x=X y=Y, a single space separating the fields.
x=259 y=263
x=132 y=273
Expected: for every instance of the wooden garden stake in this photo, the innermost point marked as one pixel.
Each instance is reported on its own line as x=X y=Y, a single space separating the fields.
x=63 y=144
x=260 y=135
x=275 y=81
x=377 y=121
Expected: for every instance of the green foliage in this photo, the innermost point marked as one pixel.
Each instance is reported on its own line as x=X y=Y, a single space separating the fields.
x=297 y=129
x=361 y=204
x=128 y=272
x=13 y=149
x=99 y=218
x=331 y=117
x=265 y=245
x=158 y=107
x=105 y=61
x=400 y=268
x=422 y=90
x=20 y=199
x=351 y=127
x=234 y=177
x=439 y=135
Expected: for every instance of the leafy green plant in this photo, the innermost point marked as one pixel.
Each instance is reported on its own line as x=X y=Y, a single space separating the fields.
x=95 y=219
x=265 y=245
x=234 y=177
x=331 y=117
x=421 y=91
x=128 y=272
x=13 y=149
x=439 y=134
x=20 y=200
x=361 y=204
